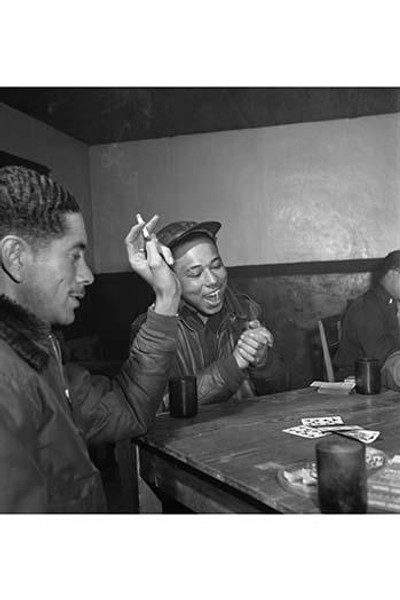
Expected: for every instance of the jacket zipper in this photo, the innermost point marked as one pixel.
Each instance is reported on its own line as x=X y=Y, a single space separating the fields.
x=57 y=352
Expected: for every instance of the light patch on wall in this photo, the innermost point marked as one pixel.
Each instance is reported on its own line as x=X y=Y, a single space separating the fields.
x=112 y=160
x=303 y=192
x=327 y=215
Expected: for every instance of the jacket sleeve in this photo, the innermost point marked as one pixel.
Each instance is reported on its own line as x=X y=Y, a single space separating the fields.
x=124 y=407
x=219 y=380
x=135 y=327
x=364 y=331
x=370 y=332
x=391 y=372
x=272 y=377
x=22 y=484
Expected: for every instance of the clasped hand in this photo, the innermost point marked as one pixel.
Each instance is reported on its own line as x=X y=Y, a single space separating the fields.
x=252 y=347
x=152 y=260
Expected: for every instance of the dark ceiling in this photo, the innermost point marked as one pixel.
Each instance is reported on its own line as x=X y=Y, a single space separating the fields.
x=107 y=115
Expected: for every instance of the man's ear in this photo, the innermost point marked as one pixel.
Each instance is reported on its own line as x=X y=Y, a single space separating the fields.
x=13 y=255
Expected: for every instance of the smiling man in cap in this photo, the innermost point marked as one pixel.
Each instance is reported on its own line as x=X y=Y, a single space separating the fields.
x=221 y=337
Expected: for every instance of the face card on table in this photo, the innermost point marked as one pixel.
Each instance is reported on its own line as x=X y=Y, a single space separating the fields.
x=316 y=421
x=366 y=436
x=306 y=432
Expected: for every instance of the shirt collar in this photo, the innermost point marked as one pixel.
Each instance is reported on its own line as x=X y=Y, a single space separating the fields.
x=385 y=296
x=193 y=320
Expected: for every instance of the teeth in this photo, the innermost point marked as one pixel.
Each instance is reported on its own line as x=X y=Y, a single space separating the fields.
x=213 y=296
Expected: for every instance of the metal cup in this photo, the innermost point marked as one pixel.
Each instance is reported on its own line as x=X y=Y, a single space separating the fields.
x=342 y=477
x=368 y=376
x=183 y=396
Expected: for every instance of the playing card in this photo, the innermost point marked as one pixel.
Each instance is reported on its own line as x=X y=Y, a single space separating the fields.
x=334 y=428
x=306 y=432
x=316 y=421
x=363 y=435
x=334 y=387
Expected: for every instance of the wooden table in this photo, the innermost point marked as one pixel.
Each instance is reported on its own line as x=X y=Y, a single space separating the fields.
x=226 y=459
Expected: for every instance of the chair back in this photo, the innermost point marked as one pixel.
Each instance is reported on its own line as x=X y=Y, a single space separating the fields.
x=330 y=331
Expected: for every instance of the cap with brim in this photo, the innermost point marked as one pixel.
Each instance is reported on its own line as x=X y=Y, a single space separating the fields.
x=173 y=234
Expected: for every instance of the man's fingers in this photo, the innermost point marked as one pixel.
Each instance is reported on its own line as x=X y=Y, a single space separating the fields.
x=133 y=234
x=154 y=257
x=251 y=355
x=135 y=231
x=157 y=252
x=245 y=342
x=166 y=253
x=248 y=347
x=255 y=338
x=262 y=334
x=150 y=225
x=269 y=336
x=246 y=355
x=254 y=324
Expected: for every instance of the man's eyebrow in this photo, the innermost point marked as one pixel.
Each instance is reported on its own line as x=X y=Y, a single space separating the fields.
x=200 y=266
x=193 y=268
x=78 y=246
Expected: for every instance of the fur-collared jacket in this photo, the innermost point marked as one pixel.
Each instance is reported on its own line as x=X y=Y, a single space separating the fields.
x=50 y=412
x=206 y=350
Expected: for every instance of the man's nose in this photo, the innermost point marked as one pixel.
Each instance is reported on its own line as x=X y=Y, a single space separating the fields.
x=85 y=275
x=210 y=277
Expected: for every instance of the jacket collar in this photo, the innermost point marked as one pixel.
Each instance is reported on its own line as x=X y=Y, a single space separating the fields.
x=384 y=295
x=26 y=334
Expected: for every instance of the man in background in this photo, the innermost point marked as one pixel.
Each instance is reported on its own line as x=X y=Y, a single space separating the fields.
x=221 y=336
x=371 y=324
x=50 y=412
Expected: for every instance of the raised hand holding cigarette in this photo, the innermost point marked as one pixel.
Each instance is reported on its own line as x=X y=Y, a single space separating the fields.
x=151 y=260
x=145 y=231
x=163 y=250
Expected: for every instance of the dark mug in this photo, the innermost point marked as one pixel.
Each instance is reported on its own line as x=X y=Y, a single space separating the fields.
x=183 y=396
x=368 y=376
x=342 y=477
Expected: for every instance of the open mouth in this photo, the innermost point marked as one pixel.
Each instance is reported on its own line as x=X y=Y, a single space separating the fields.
x=75 y=301
x=77 y=298
x=214 y=298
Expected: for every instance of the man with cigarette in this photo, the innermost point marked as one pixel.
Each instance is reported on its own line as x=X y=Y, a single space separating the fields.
x=51 y=412
x=221 y=337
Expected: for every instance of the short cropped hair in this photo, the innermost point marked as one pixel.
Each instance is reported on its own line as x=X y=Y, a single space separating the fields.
x=33 y=206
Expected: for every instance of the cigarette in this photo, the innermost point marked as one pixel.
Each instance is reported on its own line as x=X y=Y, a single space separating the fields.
x=145 y=231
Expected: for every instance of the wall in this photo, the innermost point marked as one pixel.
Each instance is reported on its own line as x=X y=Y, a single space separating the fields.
x=325 y=191
x=67 y=158
x=292 y=193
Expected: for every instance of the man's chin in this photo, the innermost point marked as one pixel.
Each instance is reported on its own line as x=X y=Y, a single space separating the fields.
x=210 y=311
x=65 y=319
x=70 y=318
